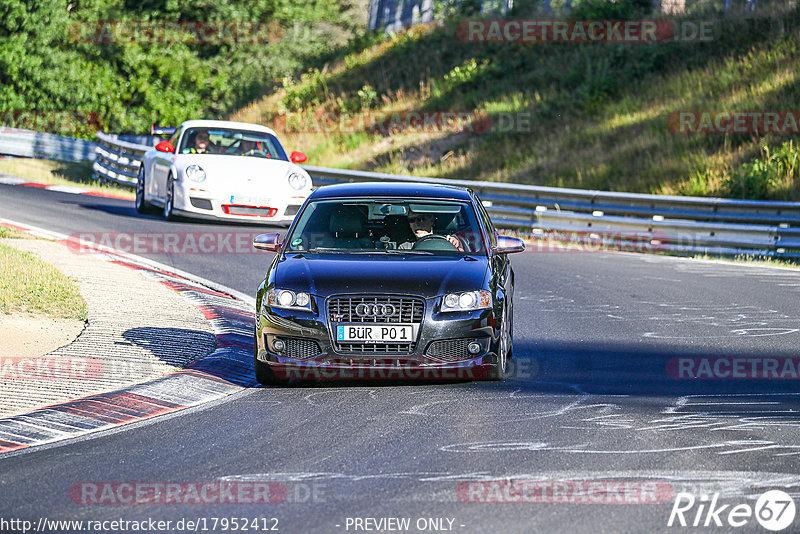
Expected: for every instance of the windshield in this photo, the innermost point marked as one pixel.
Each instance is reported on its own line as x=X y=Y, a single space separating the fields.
x=231 y=143
x=387 y=226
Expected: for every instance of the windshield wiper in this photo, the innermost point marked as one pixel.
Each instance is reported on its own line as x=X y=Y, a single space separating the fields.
x=361 y=251
x=339 y=251
x=407 y=251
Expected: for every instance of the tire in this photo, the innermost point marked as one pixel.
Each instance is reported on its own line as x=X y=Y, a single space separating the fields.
x=510 y=355
x=142 y=206
x=504 y=349
x=264 y=373
x=169 y=202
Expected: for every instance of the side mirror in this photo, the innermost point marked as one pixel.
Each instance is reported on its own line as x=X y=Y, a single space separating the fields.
x=507 y=245
x=270 y=242
x=165 y=146
x=298 y=157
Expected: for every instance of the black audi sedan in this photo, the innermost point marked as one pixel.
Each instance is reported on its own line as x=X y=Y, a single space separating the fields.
x=386 y=280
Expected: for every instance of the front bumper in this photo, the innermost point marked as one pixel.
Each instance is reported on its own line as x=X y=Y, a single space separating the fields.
x=194 y=202
x=419 y=363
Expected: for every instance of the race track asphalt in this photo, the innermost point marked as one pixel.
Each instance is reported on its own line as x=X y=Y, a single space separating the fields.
x=594 y=395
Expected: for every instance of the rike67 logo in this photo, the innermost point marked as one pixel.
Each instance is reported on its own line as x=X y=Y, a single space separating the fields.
x=774 y=510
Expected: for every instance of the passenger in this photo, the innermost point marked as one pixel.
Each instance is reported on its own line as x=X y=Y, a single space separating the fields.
x=252 y=148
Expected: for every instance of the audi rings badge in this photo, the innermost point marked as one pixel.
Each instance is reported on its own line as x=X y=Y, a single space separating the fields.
x=375 y=310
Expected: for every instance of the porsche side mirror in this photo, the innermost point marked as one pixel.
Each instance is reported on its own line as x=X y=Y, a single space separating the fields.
x=298 y=157
x=165 y=146
x=270 y=242
x=507 y=245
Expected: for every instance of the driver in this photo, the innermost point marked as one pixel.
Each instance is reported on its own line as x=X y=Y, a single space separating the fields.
x=422 y=225
x=248 y=148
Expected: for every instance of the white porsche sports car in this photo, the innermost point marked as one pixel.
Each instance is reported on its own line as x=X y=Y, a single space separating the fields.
x=224 y=170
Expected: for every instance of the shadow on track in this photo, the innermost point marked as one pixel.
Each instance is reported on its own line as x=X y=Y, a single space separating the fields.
x=623 y=369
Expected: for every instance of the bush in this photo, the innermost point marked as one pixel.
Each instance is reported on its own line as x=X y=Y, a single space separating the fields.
x=45 y=66
x=609 y=9
x=773 y=175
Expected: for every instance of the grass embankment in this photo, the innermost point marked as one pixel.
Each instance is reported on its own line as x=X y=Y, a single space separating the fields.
x=27 y=284
x=599 y=112
x=757 y=261
x=60 y=173
x=11 y=233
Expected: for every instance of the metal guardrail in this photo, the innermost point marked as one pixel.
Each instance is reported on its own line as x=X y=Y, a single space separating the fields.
x=593 y=219
x=118 y=161
x=30 y=144
x=669 y=223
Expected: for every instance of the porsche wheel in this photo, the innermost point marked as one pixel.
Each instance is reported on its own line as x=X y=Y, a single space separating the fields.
x=169 y=202
x=142 y=206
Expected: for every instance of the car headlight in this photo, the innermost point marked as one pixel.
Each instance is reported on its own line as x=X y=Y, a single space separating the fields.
x=469 y=300
x=298 y=181
x=284 y=298
x=195 y=173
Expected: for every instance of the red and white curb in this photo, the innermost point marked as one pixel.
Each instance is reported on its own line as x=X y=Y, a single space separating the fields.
x=75 y=190
x=227 y=370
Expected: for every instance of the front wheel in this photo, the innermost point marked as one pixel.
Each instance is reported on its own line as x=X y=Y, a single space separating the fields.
x=169 y=202
x=142 y=206
x=504 y=350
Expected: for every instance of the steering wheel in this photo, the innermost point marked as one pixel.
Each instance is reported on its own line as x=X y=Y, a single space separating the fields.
x=433 y=245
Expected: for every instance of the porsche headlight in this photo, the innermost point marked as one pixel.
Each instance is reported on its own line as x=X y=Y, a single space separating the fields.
x=290 y=300
x=195 y=173
x=467 y=301
x=298 y=181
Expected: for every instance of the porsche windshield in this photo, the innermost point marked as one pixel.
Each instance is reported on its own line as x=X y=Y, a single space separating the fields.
x=231 y=143
x=387 y=226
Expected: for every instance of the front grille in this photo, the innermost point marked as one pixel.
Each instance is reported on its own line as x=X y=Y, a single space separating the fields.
x=408 y=310
x=399 y=363
x=300 y=348
x=375 y=348
x=232 y=209
x=450 y=350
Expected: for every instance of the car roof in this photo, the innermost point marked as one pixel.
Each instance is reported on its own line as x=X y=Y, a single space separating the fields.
x=205 y=123
x=392 y=189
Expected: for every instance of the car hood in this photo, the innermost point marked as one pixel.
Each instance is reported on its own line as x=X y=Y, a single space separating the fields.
x=225 y=174
x=428 y=276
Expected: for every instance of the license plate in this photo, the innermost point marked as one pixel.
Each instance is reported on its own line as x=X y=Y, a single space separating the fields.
x=376 y=333
x=249 y=201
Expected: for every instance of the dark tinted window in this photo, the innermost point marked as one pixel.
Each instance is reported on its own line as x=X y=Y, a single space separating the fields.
x=438 y=227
